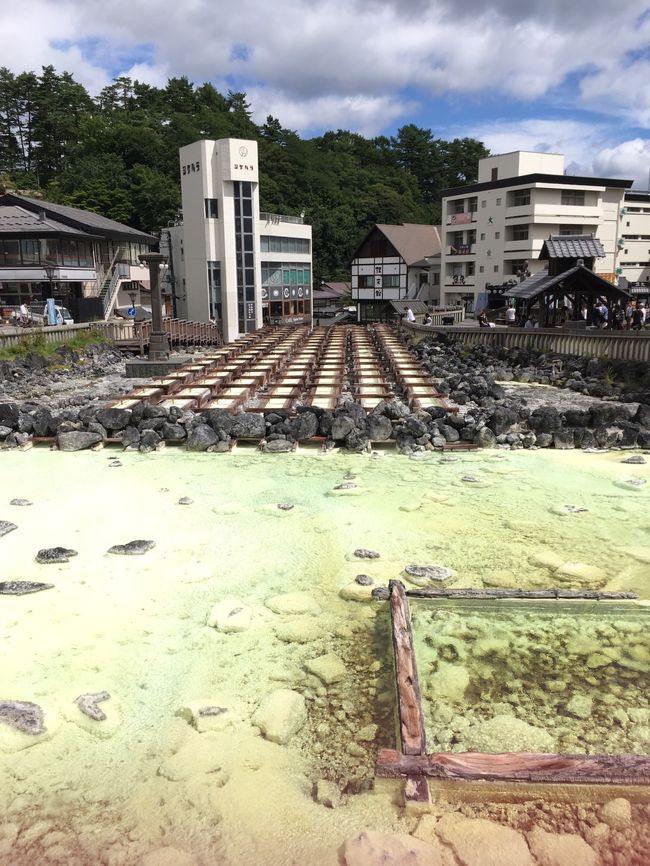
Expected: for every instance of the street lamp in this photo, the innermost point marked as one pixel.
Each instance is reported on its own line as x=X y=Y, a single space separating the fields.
x=158 y=342
x=50 y=269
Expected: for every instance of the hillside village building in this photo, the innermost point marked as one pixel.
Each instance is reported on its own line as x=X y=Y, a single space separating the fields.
x=87 y=261
x=494 y=229
x=395 y=263
x=634 y=251
x=229 y=262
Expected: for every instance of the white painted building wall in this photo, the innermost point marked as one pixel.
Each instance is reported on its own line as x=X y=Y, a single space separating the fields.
x=634 y=259
x=490 y=233
x=219 y=243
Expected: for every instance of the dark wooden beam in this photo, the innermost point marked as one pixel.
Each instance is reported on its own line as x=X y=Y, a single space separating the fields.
x=434 y=592
x=518 y=767
x=409 y=706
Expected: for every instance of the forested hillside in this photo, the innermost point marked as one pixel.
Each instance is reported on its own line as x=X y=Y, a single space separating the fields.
x=117 y=154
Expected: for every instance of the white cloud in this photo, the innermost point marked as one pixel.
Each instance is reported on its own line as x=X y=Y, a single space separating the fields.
x=351 y=60
x=588 y=148
x=627 y=159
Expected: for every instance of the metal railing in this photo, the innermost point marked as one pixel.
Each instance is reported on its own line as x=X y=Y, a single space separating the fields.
x=276 y=218
x=180 y=332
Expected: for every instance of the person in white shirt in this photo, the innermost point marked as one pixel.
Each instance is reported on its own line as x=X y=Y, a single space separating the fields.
x=511 y=315
x=408 y=315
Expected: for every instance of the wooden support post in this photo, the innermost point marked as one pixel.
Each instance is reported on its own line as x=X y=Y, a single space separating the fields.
x=411 y=720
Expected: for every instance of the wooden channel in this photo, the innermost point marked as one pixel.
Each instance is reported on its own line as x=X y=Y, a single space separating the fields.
x=415 y=766
x=518 y=767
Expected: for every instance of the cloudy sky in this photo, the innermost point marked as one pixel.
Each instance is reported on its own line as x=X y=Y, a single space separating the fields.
x=568 y=76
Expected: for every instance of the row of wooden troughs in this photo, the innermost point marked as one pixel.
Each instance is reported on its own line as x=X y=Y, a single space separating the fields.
x=276 y=369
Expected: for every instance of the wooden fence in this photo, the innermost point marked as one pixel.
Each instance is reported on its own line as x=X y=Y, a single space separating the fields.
x=123 y=333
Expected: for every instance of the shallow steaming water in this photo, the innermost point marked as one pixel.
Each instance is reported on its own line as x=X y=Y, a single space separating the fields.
x=150 y=776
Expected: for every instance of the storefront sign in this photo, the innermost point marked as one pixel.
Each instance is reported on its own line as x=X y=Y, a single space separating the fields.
x=191 y=168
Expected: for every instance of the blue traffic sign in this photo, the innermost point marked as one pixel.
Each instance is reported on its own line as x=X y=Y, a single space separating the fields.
x=131 y=312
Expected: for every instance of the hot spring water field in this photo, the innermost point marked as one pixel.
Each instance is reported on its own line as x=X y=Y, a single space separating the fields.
x=198 y=760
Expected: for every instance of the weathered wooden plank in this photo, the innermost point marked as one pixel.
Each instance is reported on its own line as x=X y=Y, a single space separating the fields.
x=411 y=719
x=518 y=767
x=435 y=592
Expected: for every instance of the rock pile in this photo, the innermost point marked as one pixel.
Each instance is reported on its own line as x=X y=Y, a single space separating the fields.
x=616 y=416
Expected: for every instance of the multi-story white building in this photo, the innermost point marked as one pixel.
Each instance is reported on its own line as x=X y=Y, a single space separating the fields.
x=229 y=262
x=634 y=244
x=494 y=229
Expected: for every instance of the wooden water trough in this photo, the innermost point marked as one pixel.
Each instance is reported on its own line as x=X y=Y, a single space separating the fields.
x=415 y=765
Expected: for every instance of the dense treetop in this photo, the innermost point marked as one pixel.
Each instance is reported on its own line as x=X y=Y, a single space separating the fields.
x=117 y=154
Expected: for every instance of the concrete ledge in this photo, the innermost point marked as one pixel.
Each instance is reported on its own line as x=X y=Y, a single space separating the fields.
x=137 y=368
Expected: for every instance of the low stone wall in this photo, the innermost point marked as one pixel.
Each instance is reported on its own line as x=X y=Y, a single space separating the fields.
x=619 y=345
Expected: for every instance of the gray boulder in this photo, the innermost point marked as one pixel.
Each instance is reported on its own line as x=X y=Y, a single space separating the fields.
x=114 y=419
x=41 y=421
x=380 y=428
x=130 y=437
x=149 y=441
x=173 y=432
x=77 y=440
x=342 y=426
x=564 y=439
x=485 y=438
x=9 y=415
x=304 y=426
x=220 y=420
x=248 y=425
x=201 y=438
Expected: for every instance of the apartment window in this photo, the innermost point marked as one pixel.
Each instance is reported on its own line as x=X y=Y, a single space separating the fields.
x=483 y=202
x=390 y=281
x=570 y=230
x=496 y=269
x=271 y=244
x=459 y=206
x=495 y=174
x=470 y=269
x=481 y=269
x=367 y=281
x=243 y=202
x=482 y=236
x=472 y=204
x=575 y=197
x=520 y=197
x=520 y=233
x=497 y=235
x=212 y=208
x=498 y=202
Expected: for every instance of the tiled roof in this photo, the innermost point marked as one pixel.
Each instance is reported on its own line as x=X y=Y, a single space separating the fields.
x=15 y=220
x=83 y=220
x=588 y=281
x=412 y=241
x=572 y=247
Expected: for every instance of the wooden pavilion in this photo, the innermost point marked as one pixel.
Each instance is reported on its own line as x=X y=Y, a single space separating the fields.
x=568 y=287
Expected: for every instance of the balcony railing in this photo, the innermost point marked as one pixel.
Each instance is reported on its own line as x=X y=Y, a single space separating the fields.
x=461 y=219
x=461 y=250
x=276 y=218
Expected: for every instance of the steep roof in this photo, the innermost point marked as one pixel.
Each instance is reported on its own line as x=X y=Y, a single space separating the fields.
x=82 y=220
x=413 y=241
x=587 y=281
x=18 y=222
x=572 y=247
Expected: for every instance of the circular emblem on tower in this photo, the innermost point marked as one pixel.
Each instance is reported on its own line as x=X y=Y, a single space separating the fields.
x=243 y=151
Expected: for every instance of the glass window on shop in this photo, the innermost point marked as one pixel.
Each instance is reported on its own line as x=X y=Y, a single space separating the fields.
x=9 y=253
x=288 y=288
